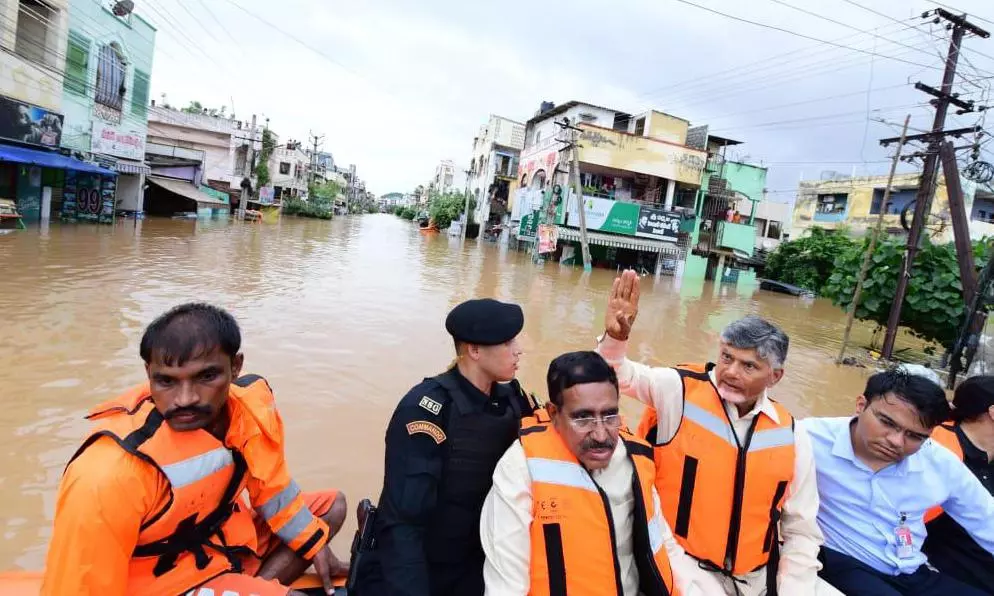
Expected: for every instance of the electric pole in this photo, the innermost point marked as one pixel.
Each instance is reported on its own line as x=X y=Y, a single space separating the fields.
x=926 y=188
x=314 y=155
x=873 y=243
x=249 y=158
x=466 y=223
x=573 y=146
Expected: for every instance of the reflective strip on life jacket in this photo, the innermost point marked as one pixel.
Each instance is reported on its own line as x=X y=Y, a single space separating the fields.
x=562 y=473
x=279 y=501
x=573 y=542
x=723 y=497
x=197 y=468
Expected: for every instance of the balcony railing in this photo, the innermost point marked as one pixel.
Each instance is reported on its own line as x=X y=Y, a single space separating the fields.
x=737 y=237
x=644 y=155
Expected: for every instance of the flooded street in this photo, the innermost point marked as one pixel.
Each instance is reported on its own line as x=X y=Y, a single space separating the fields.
x=342 y=317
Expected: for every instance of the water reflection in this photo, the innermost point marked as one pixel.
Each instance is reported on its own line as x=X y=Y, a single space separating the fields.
x=342 y=317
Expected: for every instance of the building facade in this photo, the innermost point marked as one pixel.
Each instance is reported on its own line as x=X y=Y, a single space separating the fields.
x=494 y=167
x=108 y=67
x=444 y=178
x=853 y=204
x=632 y=169
x=290 y=174
x=36 y=174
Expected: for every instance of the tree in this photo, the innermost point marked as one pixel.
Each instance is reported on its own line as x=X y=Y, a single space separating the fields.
x=195 y=107
x=443 y=209
x=262 y=167
x=933 y=308
x=808 y=262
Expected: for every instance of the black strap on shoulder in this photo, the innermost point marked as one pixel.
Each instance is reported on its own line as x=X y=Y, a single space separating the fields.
x=249 y=379
x=638 y=449
x=195 y=537
x=538 y=428
x=120 y=409
x=555 y=559
x=686 y=373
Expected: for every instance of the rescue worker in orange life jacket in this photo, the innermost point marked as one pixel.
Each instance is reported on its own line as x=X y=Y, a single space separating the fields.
x=734 y=475
x=573 y=509
x=442 y=445
x=949 y=547
x=151 y=503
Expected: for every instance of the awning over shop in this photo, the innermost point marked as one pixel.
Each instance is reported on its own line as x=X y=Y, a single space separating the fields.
x=129 y=166
x=618 y=241
x=49 y=159
x=185 y=189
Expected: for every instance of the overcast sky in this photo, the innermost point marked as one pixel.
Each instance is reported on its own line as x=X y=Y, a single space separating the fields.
x=395 y=86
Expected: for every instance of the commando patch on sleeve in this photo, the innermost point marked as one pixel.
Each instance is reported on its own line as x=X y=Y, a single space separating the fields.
x=422 y=426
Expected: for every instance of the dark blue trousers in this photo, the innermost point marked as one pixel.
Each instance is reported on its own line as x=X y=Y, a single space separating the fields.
x=854 y=578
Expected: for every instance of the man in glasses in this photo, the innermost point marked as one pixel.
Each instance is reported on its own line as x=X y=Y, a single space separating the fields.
x=878 y=475
x=573 y=509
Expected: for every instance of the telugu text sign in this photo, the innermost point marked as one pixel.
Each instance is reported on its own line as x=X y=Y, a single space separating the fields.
x=658 y=224
x=111 y=140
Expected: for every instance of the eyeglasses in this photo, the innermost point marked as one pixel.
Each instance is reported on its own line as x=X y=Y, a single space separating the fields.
x=589 y=423
x=886 y=420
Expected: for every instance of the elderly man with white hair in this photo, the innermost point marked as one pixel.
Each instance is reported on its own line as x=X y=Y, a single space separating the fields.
x=735 y=477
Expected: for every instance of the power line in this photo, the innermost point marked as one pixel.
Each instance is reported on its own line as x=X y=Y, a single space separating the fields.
x=803 y=36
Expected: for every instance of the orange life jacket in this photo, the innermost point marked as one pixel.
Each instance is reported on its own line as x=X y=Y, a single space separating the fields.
x=723 y=501
x=573 y=548
x=944 y=435
x=205 y=529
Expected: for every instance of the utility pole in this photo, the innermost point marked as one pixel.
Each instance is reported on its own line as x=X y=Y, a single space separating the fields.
x=314 y=155
x=926 y=189
x=249 y=158
x=873 y=243
x=466 y=208
x=573 y=146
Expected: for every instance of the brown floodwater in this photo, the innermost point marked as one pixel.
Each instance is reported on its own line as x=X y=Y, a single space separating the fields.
x=342 y=317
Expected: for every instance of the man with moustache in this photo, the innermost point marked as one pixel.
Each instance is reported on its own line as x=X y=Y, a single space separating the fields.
x=151 y=503
x=573 y=509
x=442 y=445
x=879 y=473
x=735 y=477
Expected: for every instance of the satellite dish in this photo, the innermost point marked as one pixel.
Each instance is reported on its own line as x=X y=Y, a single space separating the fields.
x=123 y=7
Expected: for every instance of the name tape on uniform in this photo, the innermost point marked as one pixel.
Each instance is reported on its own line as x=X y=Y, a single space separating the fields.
x=424 y=427
x=431 y=405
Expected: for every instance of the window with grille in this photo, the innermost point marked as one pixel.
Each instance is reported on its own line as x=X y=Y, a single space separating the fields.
x=77 y=64
x=111 y=67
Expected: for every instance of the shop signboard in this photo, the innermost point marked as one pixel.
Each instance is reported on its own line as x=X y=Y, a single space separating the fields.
x=113 y=140
x=528 y=226
x=548 y=237
x=27 y=123
x=605 y=215
x=658 y=224
x=266 y=194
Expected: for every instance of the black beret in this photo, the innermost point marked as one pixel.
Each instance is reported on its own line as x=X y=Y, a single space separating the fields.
x=485 y=322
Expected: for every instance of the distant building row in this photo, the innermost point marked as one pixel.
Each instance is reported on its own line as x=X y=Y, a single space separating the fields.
x=80 y=138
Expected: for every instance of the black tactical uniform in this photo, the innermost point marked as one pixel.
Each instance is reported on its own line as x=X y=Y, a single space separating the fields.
x=442 y=446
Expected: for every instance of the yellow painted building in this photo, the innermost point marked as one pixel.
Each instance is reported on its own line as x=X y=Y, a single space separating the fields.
x=854 y=204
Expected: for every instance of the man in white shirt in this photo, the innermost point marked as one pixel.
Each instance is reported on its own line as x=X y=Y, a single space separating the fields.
x=735 y=477
x=573 y=509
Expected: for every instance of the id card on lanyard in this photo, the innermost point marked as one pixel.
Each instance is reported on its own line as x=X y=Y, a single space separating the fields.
x=905 y=544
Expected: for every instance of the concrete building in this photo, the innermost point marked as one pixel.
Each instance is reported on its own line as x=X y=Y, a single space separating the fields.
x=323 y=164
x=208 y=152
x=42 y=180
x=290 y=176
x=106 y=93
x=633 y=169
x=444 y=178
x=493 y=168
x=854 y=203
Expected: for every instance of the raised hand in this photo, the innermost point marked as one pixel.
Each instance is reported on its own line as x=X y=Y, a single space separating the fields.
x=622 y=306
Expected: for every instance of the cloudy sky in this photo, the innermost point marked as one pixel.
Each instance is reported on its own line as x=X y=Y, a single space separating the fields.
x=395 y=86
